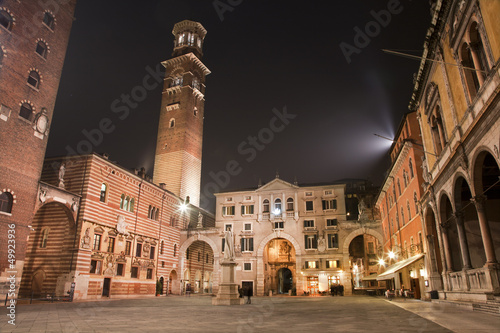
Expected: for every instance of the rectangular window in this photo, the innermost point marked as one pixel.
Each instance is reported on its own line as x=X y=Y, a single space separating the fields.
x=312 y=264
x=134 y=273
x=333 y=264
x=128 y=246
x=309 y=206
x=119 y=270
x=329 y=204
x=279 y=225
x=149 y=274
x=95 y=266
x=111 y=244
x=152 y=252
x=97 y=242
x=247 y=210
x=246 y=244
x=331 y=222
x=248 y=197
x=328 y=192
x=333 y=241
x=248 y=226
x=308 y=223
x=309 y=194
x=311 y=241
x=138 y=250
x=247 y=266
x=228 y=211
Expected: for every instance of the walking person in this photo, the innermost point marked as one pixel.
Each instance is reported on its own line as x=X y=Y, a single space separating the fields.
x=249 y=294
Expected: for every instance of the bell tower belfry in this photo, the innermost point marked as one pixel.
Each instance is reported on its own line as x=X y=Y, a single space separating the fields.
x=180 y=130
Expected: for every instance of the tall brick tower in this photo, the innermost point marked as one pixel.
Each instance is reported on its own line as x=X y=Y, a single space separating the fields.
x=33 y=40
x=180 y=130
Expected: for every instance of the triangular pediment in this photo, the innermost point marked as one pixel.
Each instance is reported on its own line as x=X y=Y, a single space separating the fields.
x=277 y=185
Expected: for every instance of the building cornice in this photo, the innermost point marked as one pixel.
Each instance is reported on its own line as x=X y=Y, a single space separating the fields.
x=187 y=57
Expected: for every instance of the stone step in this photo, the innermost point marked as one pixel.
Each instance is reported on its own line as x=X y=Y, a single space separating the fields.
x=487 y=307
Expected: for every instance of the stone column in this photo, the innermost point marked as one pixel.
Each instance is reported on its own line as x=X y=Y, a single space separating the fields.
x=446 y=246
x=489 y=249
x=434 y=275
x=462 y=237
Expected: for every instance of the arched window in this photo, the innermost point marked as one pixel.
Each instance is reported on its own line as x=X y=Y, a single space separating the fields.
x=104 y=191
x=48 y=20
x=34 y=79
x=131 y=205
x=177 y=81
x=405 y=178
x=289 y=204
x=471 y=76
x=402 y=216
x=45 y=237
x=265 y=207
x=409 y=210
x=41 y=49
x=126 y=203
x=175 y=250
x=122 y=201
x=411 y=169
x=437 y=129
x=277 y=206
x=196 y=83
x=161 y=247
x=6 y=20
x=415 y=199
x=6 y=201
x=26 y=111
x=149 y=211
x=157 y=215
x=399 y=187
x=172 y=123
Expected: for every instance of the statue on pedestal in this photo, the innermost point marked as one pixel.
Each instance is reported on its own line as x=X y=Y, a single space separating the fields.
x=229 y=245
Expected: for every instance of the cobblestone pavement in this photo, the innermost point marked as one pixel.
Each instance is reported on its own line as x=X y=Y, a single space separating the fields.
x=265 y=314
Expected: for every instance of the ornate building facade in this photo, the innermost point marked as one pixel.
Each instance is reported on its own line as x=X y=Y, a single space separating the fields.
x=33 y=41
x=293 y=239
x=397 y=202
x=456 y=97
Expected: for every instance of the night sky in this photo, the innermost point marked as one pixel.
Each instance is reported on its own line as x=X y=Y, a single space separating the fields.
x=264 y=56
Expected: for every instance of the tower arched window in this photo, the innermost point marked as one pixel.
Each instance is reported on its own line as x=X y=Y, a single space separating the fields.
x=265 y=206
x=6 y=20
x=34 y=79
x=289 y=204
x=196 y=83
x=26 y=111
x=6 y=201
x=48 y=20
x=42 y=49
x=172 y=123
x=177 y=81
x=104 y=192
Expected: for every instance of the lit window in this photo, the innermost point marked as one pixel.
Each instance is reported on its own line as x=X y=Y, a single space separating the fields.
x=333 y=264
x=34 y=79
x=196 y=83
x=104 y=190
x=312 y=264
x=6 y=20
x=277 y=207
x=228 y=211
x=247 y=210
x=49 y=20
x=128 y=247
x=177 y=81
x=111 y=244
x=97 y=242
x=26 y=111
x=41 y=49
x=6 y=201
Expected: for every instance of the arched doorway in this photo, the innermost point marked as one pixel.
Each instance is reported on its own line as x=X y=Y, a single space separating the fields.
x=285 y=280
x=279 y=266
x=364 y=251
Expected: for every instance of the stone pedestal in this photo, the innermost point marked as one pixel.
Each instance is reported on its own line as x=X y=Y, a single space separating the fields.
x=228 y=290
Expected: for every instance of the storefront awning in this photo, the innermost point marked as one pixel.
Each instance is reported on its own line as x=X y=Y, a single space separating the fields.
x=389 y=272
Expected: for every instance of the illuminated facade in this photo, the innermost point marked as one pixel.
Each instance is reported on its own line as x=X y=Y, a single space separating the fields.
x=398 y=205
x=297 y=239
x=456 y=98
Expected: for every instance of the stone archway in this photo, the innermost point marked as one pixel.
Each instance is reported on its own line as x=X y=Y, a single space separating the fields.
x=359 y=232
x=173 y=283
x=49 y=250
